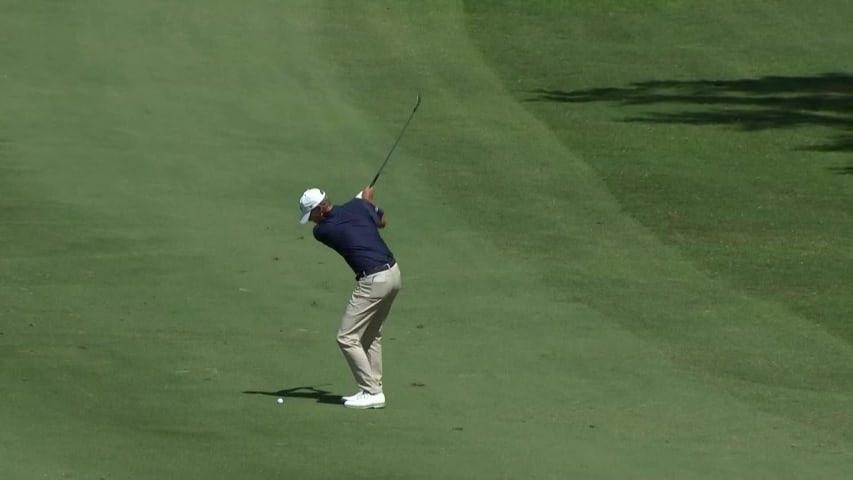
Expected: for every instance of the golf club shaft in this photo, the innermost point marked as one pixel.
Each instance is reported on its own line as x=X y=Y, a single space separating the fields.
x=417 y=104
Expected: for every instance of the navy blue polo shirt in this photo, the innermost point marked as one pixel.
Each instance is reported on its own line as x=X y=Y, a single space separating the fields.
x=352 y=230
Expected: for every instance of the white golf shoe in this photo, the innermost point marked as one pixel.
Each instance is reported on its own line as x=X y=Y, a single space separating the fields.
x=350 y=397
x=366 y=400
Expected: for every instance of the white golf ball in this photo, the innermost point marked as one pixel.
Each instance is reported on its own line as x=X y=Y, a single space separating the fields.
x=280 y=400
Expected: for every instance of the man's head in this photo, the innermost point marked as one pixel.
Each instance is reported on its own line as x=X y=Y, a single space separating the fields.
x=314 y=205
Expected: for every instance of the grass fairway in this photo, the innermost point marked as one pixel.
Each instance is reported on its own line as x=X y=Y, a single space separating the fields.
x=624 y=233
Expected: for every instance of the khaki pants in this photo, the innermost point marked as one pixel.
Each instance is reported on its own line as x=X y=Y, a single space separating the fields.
x=360 y=334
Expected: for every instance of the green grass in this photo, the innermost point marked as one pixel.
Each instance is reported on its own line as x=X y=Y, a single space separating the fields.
x=603 y=277
x=761 y=207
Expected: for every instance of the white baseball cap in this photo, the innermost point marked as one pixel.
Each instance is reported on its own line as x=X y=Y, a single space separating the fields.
x=309 y=201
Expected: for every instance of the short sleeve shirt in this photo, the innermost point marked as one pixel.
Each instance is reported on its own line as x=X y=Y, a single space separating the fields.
x=352 y=230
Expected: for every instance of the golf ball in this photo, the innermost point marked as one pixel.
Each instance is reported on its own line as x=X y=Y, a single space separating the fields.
x=280 y=400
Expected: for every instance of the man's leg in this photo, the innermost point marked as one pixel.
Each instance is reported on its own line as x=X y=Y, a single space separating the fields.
x=372 y=338
x=371 y=341
x=361 y=310
x=369 y=305
x=353 y=324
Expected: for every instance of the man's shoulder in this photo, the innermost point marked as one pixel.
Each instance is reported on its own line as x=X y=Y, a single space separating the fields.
x=356 y=206
x=355 y=203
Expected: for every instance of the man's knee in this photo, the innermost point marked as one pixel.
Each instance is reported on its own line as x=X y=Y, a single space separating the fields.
x=348 y=340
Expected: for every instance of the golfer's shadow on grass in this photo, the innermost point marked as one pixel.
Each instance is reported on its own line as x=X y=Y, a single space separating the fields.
x=321 y=396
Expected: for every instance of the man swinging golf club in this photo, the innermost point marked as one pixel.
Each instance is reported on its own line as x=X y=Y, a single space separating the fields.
x=352 y=230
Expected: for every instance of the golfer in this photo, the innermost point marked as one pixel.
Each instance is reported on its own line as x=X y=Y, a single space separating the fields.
x=352 y=230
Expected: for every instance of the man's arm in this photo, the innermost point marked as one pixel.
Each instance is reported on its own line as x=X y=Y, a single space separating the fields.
x=367 y=195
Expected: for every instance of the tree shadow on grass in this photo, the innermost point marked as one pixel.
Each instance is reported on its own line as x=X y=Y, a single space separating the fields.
x=311 y=392
x=771 y=102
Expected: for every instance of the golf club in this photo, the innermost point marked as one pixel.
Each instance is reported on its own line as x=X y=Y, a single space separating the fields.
x=417 y=104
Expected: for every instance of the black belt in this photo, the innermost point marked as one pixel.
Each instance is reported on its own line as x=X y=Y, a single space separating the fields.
x=376 y=269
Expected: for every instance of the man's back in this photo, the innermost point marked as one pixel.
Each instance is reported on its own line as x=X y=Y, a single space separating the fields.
x=352 y=230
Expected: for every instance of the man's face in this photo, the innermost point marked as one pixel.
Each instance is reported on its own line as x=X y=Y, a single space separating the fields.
x=318 y=212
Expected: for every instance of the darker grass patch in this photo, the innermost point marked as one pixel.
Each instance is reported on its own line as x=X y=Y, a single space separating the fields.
x=769 y=102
